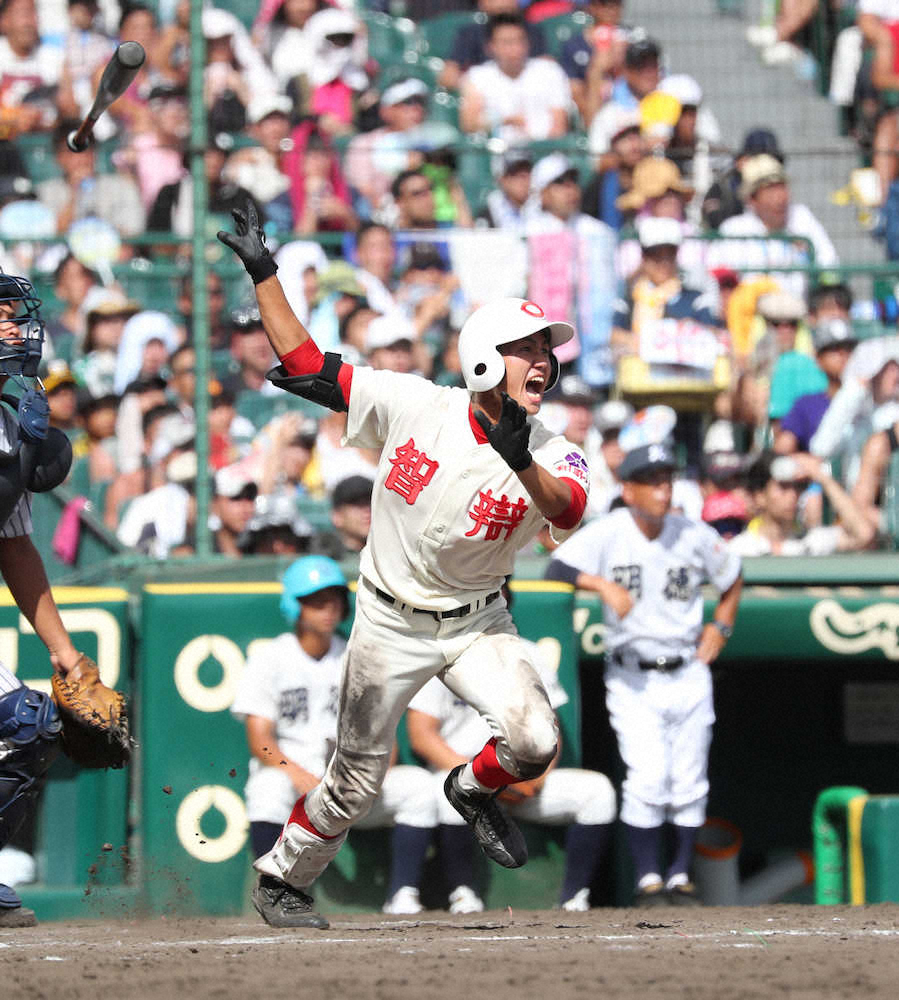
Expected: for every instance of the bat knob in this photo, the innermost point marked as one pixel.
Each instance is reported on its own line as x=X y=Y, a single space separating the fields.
x=76 y=144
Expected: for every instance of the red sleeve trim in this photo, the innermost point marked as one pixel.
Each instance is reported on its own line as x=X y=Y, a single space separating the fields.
x=575 y=509
x=307 y=359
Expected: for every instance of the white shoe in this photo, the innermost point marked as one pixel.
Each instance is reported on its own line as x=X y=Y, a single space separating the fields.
x=404 y=901
x=17 y=867
x=761 y=35
x=579 y=902
x=465 y=900
x=781 y=54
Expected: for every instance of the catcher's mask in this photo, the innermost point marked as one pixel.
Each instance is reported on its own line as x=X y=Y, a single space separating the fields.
x=21 y=327
x=502 y=322
x=306 y=576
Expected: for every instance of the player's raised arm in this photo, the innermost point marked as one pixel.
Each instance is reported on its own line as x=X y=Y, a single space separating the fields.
x=285 y=332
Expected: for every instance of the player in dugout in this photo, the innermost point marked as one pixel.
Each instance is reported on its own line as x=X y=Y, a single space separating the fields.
x=465 y=479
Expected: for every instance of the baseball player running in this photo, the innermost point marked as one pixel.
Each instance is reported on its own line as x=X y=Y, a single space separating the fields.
x=465 y=479
x=648 y=566
x=33 y=456
x=287 y=696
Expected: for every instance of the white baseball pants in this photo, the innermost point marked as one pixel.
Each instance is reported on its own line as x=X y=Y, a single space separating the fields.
x=663 y=722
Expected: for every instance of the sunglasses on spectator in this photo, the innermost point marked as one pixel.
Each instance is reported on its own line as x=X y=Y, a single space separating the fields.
x=341 y=39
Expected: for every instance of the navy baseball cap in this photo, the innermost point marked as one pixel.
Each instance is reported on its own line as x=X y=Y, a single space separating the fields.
x=761 y=140
x=645 y=459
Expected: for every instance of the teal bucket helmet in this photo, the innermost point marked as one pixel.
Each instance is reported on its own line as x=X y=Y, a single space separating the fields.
x=307 y=576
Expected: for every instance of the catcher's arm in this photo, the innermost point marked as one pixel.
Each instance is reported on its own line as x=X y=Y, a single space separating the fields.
x=23 y=571
x=262 y=740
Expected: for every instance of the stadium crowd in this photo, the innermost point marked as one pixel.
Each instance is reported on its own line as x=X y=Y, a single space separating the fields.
x=574 y=167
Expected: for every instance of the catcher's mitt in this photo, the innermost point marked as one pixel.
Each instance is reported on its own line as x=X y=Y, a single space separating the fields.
x=94 y=717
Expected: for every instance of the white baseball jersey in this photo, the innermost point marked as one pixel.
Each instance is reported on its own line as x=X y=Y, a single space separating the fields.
x=281 y=682
x=19 y=521
x=448 y=514
x=461 y=727
x=664 y=576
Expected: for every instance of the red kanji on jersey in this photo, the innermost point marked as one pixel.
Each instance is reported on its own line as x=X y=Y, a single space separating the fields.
x=412 y=471
x=495 y=514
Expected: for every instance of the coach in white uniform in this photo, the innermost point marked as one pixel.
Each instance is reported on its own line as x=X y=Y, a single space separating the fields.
x=444 y=731
x=466 y=478
x=648 y=566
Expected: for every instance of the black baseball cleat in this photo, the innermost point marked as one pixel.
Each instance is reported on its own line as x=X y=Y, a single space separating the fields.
x=499 y=838
x=280 y=905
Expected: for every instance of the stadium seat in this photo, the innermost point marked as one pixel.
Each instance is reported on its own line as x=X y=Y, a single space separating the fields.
x=391 y=40
x=244 y=10
x=36 y=149
x=439 y=33
x=559 y=29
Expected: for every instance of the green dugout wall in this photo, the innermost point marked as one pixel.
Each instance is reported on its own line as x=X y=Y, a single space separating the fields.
x=807 y=696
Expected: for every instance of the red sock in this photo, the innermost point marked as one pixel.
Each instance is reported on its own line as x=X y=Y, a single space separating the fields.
x=488 y=770
x=298 y=816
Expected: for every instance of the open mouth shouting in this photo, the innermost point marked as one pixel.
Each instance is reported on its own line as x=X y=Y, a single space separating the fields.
x=534 y=387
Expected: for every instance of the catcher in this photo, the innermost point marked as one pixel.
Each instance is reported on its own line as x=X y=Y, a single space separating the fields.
x=84 y=718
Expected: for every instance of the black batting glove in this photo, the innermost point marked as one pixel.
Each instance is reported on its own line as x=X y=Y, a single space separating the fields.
x=510 y=434
x=249 y=244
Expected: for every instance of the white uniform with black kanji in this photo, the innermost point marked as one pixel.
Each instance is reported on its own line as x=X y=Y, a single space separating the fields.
x=299 y=694
x=663 y=719
x=448 y=516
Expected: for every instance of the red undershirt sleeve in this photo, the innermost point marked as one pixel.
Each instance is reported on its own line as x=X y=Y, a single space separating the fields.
x=307 y=359
x=575 y=509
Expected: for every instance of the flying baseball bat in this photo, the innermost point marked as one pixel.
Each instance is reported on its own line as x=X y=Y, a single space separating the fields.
x=120 y=71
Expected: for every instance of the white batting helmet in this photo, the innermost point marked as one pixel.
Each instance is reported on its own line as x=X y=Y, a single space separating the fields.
x=502 y=322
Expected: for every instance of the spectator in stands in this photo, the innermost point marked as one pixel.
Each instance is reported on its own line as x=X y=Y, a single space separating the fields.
x=230 y=435
x=769 y=209
x=444 y=730
x=95 y=362
x=72 y=281
x=727 y=513
x=351 y=515
x=776 y=483
x=232 y=508
x=182 y=379
x=865 y=403
x=723 y=200
x=29 y=69
x=173 y=47
x=353 y=331
x=439 y=164
x=279 y=31
x=85 y=50
x=147 y=340
x=81 y=192
x=337 y=462
x=62 y=396
x=253 y=354
x=276 y=529
x=513 y=96
x=289 y=450
x=879 y=25
x=330 y=84
x=389 y=343
x=876 y=458
x=97 y=415
x=834 y=341
x=337 y=295
x=148 y=399
x=219 y=328
x=554 y=181
x=376 y=259
x=373 y=159
x=226 y=91
x=593 y=58
x=511 y=204
x=605 y=486
x=173 y=211
x=159 y=522
x=696 y=132
x=413 y=194
x=133 y=113
x=156 y=152
x=319 y=195
x=642 y=72
x=260 y=169
x=428 y=294
x=615 y=139
x=470 y=44
x=784 y=334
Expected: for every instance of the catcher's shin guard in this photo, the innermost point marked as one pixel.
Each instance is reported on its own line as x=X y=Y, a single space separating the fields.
x=29 y=743
x=299 y=856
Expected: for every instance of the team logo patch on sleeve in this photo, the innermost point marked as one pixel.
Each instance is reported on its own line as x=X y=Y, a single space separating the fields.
x=573 y=466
